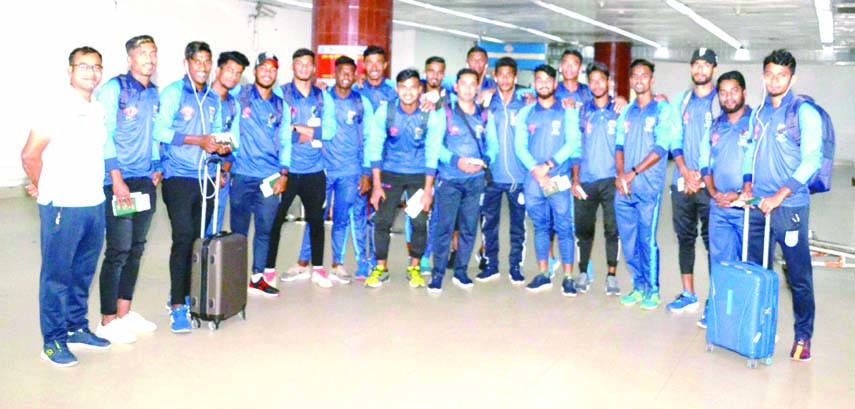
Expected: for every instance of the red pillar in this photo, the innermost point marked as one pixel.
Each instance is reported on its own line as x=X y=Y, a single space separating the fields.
x=352 y=22
x=617 y=55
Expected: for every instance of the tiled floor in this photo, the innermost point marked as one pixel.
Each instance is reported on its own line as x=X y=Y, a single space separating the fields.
x=493 y=346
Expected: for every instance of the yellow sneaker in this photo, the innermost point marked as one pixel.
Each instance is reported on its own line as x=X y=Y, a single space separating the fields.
x=416 y=279
x=377 y=277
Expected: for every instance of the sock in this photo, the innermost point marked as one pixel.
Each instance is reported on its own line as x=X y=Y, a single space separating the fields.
x=269 y=270
x=611 y=273
x=256 y=277
x=317 y=268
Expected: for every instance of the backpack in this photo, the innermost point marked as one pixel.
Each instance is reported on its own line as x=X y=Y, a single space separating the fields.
x=821 y=180
x=243 y=99
x=391 y=110
x=288 y=97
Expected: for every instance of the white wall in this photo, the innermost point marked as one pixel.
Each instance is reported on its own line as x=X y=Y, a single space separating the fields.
x=831 y=86
x=38 y=35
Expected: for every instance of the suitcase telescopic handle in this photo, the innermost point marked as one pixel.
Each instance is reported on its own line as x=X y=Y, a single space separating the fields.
x=746 y=224
x=219 y=162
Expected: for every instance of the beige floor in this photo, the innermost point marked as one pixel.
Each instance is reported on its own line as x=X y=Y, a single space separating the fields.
x=494 y=346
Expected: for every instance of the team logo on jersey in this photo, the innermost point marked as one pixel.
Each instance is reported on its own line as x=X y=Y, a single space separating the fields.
x=271 y=120
x=757 y=131
x=351 y=115
x=707 y=119
x=479 y=130
x=744 y=139
x=393 y=131
x=211 y=112
x=780 y=134
x=532 y=128
x=649 y=122
x=155 y=108
x=714 y=139
x=130 y=112
x=246 y=112
x=453 y=130
x=626 y=126
x=513 y=118
x=589 y=127
x=685 y=118
x=556 y=128
x=612 y=126
x=187 y=113
x=418 y=132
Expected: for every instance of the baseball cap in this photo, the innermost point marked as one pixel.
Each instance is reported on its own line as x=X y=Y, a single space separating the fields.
x=267 y=56
x=705 y=54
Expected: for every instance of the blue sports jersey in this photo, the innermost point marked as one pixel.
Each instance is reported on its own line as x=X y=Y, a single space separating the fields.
x=778 y=160
x=694 y=122
x=459 y=141
x=129 y=117
x=344 y=154
x=379 y=95
x=406 y=147
x=723 y=152
x=599 y=130
x=310 y=110
x=641 y=131
x=185 y=111
x=582 y=95
x=507 y=168
x=544 y=134
x=259 y=127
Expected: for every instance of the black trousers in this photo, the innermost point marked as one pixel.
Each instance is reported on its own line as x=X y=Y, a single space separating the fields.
x=183 y=201
x=395 y=184
x=687 y=211
x=600 y=193
x=311 y=187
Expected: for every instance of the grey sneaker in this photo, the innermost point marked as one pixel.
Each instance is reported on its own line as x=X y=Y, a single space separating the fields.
x=341 y=275
x=612 y=286
x=296 y=272
x=583 y=283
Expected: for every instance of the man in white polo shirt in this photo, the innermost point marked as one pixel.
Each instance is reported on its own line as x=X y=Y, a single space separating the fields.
x=64 y=159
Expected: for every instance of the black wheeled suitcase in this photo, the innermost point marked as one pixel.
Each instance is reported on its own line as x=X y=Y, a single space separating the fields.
x=218 y=282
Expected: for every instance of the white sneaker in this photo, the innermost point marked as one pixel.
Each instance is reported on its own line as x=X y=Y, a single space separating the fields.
x=341 y=275
x=296 y=272
x=136 y=323
x=320 y=277
x=116 y=332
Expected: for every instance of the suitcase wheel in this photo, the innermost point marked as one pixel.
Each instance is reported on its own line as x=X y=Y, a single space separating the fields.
x=196 y=323
x=768 y=361
x=752 y=363
x=710 y=347
x=214 y=325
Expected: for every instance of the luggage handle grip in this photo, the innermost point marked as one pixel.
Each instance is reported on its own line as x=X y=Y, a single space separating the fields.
x=766 y=233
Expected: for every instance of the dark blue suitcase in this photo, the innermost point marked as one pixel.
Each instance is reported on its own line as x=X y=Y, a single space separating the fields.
x=743 y=307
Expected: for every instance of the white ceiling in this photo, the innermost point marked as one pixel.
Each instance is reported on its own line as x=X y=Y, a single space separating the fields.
x=760 y=25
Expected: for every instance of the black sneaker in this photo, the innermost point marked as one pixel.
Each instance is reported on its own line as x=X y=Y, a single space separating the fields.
x=482 y=261
x=261 y=287
x=462 y=281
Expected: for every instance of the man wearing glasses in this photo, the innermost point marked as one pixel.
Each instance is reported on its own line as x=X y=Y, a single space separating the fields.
x=71 y=207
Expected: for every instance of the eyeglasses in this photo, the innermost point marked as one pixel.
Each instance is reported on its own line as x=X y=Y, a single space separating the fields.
x=87 y=67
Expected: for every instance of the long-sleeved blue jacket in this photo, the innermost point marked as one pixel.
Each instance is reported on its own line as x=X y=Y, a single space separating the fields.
x=129 y=117
x=599 y=130
x=777 y=159
x=459 y=142
x=315 y=109
x=544 y=134
x=406 y=147
x=723 y=150
x=185 y=111
x=260 y=127
x=507 y=168
x=691 y=127
x=345 y=154
x=641 y=131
